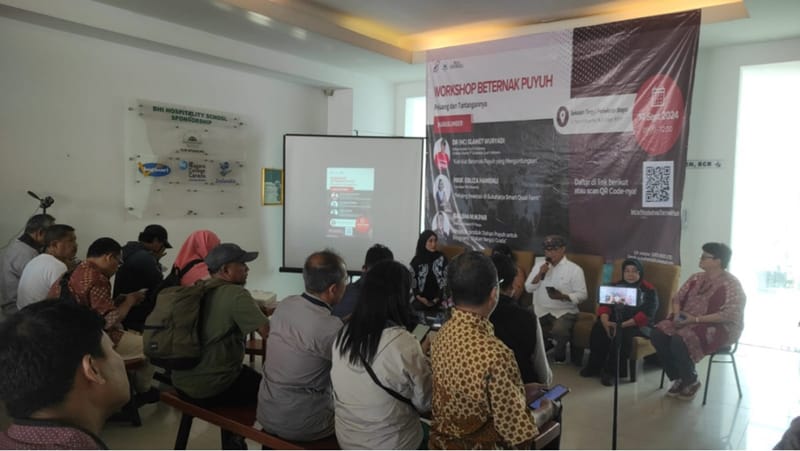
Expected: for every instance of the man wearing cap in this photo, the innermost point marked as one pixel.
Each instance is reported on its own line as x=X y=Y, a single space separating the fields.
x=229 y=314
x=141 y=270
x=558 y=286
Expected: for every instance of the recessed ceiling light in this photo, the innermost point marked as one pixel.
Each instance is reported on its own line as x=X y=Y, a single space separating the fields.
x=259 y=19
x=299 y=33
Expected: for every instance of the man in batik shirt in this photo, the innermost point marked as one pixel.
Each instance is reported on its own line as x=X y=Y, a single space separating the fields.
x=479 y=400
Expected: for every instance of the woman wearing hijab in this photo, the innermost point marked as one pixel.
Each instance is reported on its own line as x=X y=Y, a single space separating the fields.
x=430 y=274
x=635 y=321
x=191 y=255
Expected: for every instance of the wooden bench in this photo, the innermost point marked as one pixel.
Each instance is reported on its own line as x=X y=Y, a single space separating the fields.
x=238 y=420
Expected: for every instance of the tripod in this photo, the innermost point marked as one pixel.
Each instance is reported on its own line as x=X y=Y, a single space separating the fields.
x=617 y=351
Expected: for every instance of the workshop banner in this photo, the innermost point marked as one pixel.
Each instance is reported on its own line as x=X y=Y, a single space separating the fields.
x=579 y=132
x=183 y=161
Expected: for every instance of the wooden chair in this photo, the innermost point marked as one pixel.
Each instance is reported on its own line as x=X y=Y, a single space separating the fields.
x=665 y=278
x=256 y=345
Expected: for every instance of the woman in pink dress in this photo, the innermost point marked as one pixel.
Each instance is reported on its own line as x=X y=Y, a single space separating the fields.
x=191 y=255
x=707 y=314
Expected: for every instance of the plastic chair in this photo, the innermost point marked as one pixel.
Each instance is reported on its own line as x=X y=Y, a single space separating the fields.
x=724 y=351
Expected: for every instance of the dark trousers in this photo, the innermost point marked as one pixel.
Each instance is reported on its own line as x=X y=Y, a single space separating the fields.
x=242 y=392
x=674 y=356
x=602 y=348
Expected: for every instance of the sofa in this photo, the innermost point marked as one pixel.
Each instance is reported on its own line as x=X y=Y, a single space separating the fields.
x=664 y=277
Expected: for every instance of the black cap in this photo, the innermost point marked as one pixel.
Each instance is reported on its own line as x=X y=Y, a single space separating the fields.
x=227 y=253
x=155 y=231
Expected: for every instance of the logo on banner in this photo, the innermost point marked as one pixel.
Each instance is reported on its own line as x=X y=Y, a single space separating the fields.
x=224 y=168
x=154 y=169
x=191 y=139
x=436 y=66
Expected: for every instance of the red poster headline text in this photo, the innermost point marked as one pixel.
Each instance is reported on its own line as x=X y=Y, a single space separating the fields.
x=491 y=86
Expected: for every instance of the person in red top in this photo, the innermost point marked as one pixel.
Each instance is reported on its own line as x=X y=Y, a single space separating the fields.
x=60 y=377
x=635 y=321
x=441 y=157
x=89 y=285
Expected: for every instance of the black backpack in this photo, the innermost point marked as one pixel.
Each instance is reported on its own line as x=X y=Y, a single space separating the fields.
x=174 y=277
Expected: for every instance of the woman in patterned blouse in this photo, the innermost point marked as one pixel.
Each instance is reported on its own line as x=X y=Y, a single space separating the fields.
x=707 y=314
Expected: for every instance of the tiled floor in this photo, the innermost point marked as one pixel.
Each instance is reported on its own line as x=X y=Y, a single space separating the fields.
x=647 y=419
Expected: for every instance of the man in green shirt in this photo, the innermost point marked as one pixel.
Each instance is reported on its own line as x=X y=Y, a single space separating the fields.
x=230 y=313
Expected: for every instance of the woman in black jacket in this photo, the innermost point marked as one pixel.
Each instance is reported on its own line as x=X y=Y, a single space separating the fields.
x=635 y=321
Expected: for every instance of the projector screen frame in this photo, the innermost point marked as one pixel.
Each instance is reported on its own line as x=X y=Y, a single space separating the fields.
x=355 y=270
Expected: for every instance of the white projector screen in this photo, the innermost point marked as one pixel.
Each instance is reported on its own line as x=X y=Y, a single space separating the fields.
x=347 y=193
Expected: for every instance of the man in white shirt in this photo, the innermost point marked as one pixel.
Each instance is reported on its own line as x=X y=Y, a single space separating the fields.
x=17 y=255
x=44 y=270
x=558 y=286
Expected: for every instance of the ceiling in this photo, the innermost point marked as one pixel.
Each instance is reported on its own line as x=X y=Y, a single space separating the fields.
x=388 y=38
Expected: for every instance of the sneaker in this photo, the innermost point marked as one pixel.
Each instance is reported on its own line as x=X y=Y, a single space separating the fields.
x=589 y=371
x=688 y=392
x=675 y=389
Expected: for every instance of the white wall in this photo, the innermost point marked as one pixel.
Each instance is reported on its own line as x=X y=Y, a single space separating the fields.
x=708 y=193
x=61 y=132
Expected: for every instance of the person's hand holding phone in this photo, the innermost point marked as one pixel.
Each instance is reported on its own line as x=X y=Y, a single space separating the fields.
x=554 y=293
x=544 y=413
x=534 y=391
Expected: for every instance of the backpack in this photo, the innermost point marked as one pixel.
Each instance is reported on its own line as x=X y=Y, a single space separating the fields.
x=173 y=332
x=64 y=294
x=174 y=277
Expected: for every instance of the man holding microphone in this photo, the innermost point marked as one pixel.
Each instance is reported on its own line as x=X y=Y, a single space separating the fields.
x=558 y=286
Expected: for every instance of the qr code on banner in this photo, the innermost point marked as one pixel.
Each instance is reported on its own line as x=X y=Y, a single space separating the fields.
x=658 y=184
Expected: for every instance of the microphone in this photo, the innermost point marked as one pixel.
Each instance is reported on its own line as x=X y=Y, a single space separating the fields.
x=548 y=261
x=33 y=195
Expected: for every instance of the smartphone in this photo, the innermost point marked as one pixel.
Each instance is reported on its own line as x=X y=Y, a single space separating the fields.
x=421 y=331
x=551 y=291
x=554 y=394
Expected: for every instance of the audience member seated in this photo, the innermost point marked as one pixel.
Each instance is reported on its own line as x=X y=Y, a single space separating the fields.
x=558 y=286
x=518 y=282
x=295 y=400
x=479 y=400
x=141 y=270
x=634 y=321
x=89 y=285
x=375 y=254
x=707 y=314
x=430 y=273
x=192 y=254
x=229 y=313
x=16 y=256
x=42 y=271
x=791 y=438
x=517 y=327
x=381 y=377
x=60 y=377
